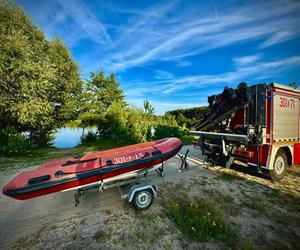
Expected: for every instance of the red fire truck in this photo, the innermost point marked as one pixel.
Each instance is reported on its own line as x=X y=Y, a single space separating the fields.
x=257 y=125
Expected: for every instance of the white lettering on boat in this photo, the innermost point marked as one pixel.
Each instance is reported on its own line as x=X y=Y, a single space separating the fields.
x=128 y=158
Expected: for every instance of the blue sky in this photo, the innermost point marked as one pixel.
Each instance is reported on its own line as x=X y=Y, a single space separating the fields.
x=176 y=53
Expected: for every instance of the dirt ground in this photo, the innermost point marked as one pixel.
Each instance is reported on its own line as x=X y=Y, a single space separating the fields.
x=262 y=214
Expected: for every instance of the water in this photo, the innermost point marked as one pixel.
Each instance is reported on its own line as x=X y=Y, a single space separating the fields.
x=68 y=137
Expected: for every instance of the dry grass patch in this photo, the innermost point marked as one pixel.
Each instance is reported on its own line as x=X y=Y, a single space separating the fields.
x=294 y=170
x=229 y=176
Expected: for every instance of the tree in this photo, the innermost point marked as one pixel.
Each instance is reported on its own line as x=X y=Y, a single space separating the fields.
x=189 y=113
x=99 y=94
x=67 y=86
x=188 y=117
x=114 y=124
x=102 y=91
x=140 y=124
x=39 y=81
x=181 y=119
x=148 y=108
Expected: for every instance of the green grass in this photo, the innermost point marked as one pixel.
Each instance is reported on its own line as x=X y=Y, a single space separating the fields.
x=194 y=220
x=187 y=139
x=202 y=219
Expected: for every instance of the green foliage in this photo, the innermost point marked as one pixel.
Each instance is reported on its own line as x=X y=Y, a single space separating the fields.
x=167 y=126
x=12 y=142
x=181 y=119
x=163 y=131
x=101 y=91
x=187 y=139
x=168 y=120
x=189 y=113
x=66 y=84
x=103 y=106
x=195 y=223
x=187 y=117
x=139 y=124
x=148 y=108
x=38 y=79
x=124 y=124
x=89 y=137
x=203 y=219
x=114 y=123
x=97 y=98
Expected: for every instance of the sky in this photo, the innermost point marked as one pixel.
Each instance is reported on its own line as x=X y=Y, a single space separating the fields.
x=176 y=53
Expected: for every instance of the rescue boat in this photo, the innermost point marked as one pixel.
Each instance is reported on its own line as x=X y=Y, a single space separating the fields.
x=75 y=172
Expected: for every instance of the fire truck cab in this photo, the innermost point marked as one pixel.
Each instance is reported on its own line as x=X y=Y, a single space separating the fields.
x=257 y=125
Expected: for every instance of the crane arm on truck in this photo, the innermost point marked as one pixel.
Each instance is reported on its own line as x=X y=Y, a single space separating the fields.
x=223 y=106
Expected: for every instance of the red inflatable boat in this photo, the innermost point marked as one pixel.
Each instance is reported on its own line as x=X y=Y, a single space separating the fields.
x=72 y=173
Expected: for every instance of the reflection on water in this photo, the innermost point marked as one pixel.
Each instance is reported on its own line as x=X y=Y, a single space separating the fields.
x=68 y=137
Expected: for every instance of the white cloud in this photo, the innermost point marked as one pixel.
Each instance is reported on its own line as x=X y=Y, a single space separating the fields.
x=205 y=85
x=160 y=74
x=86 y=20
x=171 y=31
x=246 y=60
x=197 y=35
x=257 y=70
x=280 y=37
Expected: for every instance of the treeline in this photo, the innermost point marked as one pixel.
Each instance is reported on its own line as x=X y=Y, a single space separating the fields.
x=41 y=90
x=187 y=117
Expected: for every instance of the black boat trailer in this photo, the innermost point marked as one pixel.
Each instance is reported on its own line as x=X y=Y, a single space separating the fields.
x=141 y=194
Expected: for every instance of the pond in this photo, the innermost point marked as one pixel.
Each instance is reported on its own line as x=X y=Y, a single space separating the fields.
x=68 y=137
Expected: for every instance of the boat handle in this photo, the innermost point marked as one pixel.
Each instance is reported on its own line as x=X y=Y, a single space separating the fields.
x=39 y=179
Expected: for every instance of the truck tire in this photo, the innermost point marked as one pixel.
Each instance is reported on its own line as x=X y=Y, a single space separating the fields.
x=143 y=199
x=279 y=166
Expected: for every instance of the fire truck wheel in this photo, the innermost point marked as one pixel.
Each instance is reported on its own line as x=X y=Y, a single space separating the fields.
x=280 y=166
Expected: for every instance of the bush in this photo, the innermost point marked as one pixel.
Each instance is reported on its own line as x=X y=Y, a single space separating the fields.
x=13 y=142
x=42 y=138
x=124 y=125
x=89 y=137
x=163 y=131
x=187 y=139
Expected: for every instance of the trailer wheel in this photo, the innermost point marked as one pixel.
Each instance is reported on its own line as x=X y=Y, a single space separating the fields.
x=279 y=166
x=143 y=199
